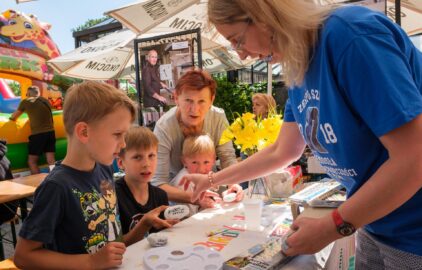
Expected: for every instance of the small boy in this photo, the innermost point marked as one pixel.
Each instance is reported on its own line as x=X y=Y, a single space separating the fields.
x=74 y=222
x=140 y=203
x=198 y=156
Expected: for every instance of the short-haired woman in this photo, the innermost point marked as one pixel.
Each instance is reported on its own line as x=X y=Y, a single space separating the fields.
x=194 y=114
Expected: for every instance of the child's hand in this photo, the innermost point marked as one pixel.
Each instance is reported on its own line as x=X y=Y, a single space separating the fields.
x=152 y=219
x=209 y=200
x=235 y=189
x=111 y=255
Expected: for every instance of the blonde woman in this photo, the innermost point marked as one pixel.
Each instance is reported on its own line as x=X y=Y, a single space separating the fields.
x=355 y=98
x=262 y=104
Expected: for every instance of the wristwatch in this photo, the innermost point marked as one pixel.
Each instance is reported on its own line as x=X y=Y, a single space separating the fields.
x=344 y=228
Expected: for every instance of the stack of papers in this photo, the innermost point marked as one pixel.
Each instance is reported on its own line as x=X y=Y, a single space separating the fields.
x=316 y=192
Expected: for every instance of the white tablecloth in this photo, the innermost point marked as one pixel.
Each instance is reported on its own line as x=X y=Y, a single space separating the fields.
x=193 y=231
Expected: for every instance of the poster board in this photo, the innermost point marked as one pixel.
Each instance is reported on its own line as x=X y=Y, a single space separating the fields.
x=176 y=52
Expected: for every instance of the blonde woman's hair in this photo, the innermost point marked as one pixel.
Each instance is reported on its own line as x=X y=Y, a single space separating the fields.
x=267 y=100
x=199 y=144
x=139 y=138
x=91 y=101
x=295 y=24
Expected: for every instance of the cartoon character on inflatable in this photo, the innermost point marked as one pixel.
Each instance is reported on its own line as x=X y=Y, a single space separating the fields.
x=25 y=47
x=26 y=31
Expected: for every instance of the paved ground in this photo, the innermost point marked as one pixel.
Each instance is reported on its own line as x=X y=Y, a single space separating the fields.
x=6 y=232
x=7 y=235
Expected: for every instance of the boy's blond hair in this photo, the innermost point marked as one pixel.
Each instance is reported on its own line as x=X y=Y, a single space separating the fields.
x=198 y=144
x=139 y=138
x=91 y=101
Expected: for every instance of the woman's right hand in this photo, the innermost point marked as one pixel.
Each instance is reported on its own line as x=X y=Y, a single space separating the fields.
x=200 y=185
x=162 y=99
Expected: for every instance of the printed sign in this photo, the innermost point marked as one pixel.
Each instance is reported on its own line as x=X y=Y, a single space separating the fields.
x=180 y=45
x=165 y=72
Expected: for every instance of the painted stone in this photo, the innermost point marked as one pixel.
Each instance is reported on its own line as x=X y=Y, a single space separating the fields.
x=230 y=197
x=176 y=212
x=157 y=239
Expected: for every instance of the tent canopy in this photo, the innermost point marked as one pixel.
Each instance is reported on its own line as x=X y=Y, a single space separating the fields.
x=410 y=10
x=112 y=57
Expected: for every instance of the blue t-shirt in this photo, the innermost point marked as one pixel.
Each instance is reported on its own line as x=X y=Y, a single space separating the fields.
x=364 y=80
x=74 y=212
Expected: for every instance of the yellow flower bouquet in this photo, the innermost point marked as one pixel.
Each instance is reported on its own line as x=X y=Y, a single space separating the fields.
x=251 y=134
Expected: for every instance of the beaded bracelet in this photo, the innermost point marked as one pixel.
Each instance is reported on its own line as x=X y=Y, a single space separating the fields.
x=211 y=178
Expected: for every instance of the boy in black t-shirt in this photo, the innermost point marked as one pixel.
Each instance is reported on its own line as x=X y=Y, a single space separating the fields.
x=74 y=222
x=140 y=203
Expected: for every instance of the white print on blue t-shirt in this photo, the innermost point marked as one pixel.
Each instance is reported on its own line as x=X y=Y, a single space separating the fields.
x=308 y=96
x=312 y=129
x=368 y=78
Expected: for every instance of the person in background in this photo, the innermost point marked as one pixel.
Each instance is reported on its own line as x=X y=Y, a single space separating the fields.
x=198 y=156
x=262 y=104
x=193 y=115
x=140 y=203
x=42 y=138
x=5 y=171
x=74 y=222
x=152 y=83
x=355 y=98
x=7 y=209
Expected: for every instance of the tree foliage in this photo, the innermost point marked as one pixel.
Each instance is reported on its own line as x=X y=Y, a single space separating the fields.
x=89 y=23
x=236 y=98
x=16 y=88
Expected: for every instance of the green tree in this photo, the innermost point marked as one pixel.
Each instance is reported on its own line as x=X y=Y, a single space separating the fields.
x=89 y=23
x=236 y=98
x=16 y=88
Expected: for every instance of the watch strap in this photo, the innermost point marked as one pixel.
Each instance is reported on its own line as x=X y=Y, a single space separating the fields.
x=338 y=220
x=343 y=227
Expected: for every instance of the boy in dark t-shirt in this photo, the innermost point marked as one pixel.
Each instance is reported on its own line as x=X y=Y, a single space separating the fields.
x=140 y=203
x=74 y=222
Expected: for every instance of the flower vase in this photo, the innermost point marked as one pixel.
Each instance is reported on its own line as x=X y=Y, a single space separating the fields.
x=258 y=188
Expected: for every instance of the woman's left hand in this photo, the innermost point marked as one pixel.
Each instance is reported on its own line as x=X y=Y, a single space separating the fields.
x=237 y=189
x=310 y=235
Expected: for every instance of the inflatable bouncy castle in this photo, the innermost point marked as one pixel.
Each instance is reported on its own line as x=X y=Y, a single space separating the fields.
x=25 y=47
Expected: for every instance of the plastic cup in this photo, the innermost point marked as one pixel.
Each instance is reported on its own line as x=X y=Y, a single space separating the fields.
x=253 y=212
